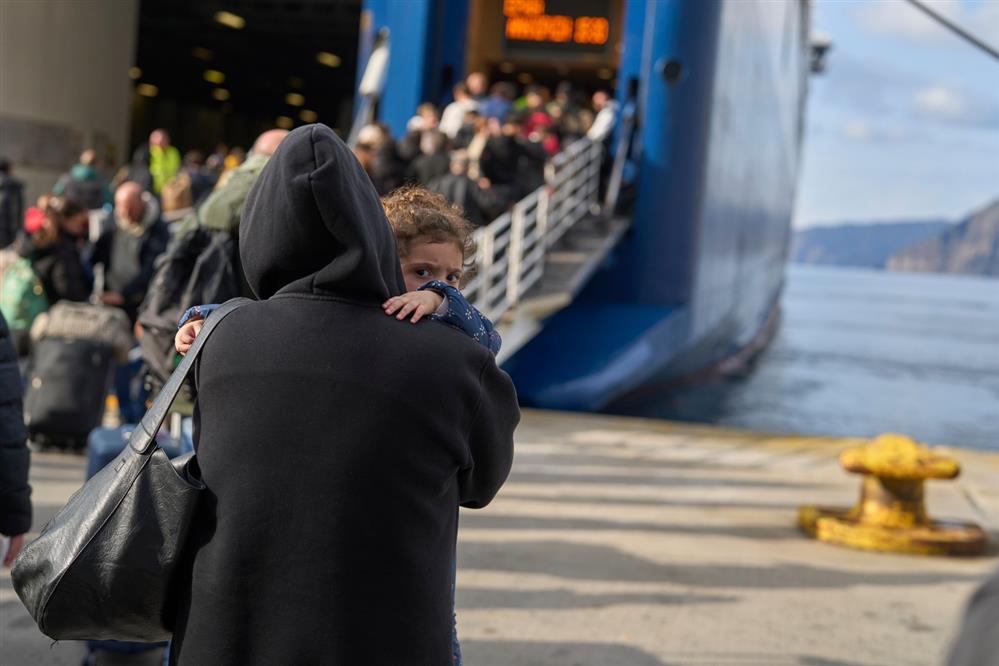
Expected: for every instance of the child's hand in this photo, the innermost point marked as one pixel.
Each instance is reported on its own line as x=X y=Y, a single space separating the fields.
x=186 y=335
x=417 y=303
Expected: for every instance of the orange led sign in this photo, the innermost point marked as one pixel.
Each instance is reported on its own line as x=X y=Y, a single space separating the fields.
x=523 y=7
x=543 y=28
x=569 y=22
x=591 y=30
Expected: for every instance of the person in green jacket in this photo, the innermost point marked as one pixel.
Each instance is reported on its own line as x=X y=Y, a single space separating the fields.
x=223 y=207
x=164 y=159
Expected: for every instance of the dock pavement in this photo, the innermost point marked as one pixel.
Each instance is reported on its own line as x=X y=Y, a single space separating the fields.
x=629 y=542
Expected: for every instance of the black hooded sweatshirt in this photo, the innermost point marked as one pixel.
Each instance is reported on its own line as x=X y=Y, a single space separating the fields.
x=335 y=441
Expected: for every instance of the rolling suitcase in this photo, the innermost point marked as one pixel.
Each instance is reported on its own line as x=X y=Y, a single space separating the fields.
x=104 y=445
x=67 y=383
x=74 y=349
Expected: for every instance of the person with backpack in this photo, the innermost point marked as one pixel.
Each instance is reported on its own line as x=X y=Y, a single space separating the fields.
x=48 y=267
x=201 y=263
x=54 y=251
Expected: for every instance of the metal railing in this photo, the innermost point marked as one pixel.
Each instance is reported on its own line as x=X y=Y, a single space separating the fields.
x=512 y=249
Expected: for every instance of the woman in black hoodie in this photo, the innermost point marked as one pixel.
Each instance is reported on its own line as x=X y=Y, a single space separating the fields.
x=336 y=443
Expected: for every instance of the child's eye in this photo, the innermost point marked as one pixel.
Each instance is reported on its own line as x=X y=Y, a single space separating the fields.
x=422 y=272
x=454 y=277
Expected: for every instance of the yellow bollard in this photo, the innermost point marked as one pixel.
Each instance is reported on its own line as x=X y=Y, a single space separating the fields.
x=891 y=514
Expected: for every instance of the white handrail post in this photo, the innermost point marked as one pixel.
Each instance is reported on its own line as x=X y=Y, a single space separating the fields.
x=515 y=255
x=544 y=199
x=485 y=265
x=596 y=161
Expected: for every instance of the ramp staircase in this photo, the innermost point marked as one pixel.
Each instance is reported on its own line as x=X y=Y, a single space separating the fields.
x=533 y=260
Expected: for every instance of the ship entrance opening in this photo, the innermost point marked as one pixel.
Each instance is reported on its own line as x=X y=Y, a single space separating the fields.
x=547 y=42
x=223 y=71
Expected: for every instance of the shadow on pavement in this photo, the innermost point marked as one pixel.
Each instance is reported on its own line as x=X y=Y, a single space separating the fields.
x=473 y=520
x=513 y=653
x=478 y=598
x=592 y=562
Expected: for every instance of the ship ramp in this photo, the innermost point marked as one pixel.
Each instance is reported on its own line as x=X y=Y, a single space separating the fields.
x=534 y=259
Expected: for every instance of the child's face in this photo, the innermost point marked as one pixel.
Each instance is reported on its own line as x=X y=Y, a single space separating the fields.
x=428 y=261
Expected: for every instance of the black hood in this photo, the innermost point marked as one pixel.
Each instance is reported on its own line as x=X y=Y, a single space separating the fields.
x=313 y=223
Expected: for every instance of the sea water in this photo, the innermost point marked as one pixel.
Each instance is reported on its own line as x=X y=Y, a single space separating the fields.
x=861 y=352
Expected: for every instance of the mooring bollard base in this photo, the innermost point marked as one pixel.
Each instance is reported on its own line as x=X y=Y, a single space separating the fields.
x=938 y=537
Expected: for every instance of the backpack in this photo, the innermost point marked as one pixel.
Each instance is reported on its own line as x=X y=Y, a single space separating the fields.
x=22 y=296
x=200 y=266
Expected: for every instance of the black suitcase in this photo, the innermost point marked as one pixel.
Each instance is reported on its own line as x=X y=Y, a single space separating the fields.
x=68 y=381
x=74 y=349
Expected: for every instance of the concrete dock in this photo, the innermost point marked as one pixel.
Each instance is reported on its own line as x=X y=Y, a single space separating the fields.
x=628 y=542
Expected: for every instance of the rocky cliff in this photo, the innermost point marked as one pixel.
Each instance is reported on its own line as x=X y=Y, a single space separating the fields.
x=866 y=245
x=970 y=247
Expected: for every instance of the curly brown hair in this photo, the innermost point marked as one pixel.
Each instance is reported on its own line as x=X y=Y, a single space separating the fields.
x=417 y=213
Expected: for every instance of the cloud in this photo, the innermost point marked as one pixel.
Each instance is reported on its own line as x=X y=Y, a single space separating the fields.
x=875 y=97
x=863 y=131
x=856 y=130
x=940 y=102
x=861 y=86
x=900 y=19
x=945 y=104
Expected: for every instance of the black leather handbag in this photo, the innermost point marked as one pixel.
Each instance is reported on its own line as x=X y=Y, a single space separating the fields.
x=103 y=567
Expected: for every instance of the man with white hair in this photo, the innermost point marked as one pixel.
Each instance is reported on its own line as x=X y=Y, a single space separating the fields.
x=127 y=250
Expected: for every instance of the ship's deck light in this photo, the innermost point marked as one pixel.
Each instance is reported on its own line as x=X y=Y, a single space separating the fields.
x=328 y=59
x=230 y=20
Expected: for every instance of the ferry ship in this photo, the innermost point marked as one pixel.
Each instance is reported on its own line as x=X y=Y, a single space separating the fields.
x=600 y=304
x=718 y=90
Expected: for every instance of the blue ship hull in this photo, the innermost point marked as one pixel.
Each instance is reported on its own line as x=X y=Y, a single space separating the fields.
x=721 y=87
x=701 y=272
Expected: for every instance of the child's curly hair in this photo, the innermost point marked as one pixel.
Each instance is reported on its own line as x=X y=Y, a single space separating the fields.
x=415 y=212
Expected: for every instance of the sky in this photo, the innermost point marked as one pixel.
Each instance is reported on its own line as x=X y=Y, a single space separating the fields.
x=904 y=123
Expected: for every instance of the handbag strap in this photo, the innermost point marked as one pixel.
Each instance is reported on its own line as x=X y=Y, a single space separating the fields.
x=143 y=437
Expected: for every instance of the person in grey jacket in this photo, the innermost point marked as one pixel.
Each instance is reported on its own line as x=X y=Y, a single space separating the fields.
x=15 y=493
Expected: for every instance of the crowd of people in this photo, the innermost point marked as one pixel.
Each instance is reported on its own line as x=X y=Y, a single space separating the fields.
x=487 y=148
x=101 y=240
x=483 y=151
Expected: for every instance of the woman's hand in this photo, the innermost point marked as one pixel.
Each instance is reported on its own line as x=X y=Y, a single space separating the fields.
x=417 y=303
x=186 y=335
x=13 y=548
